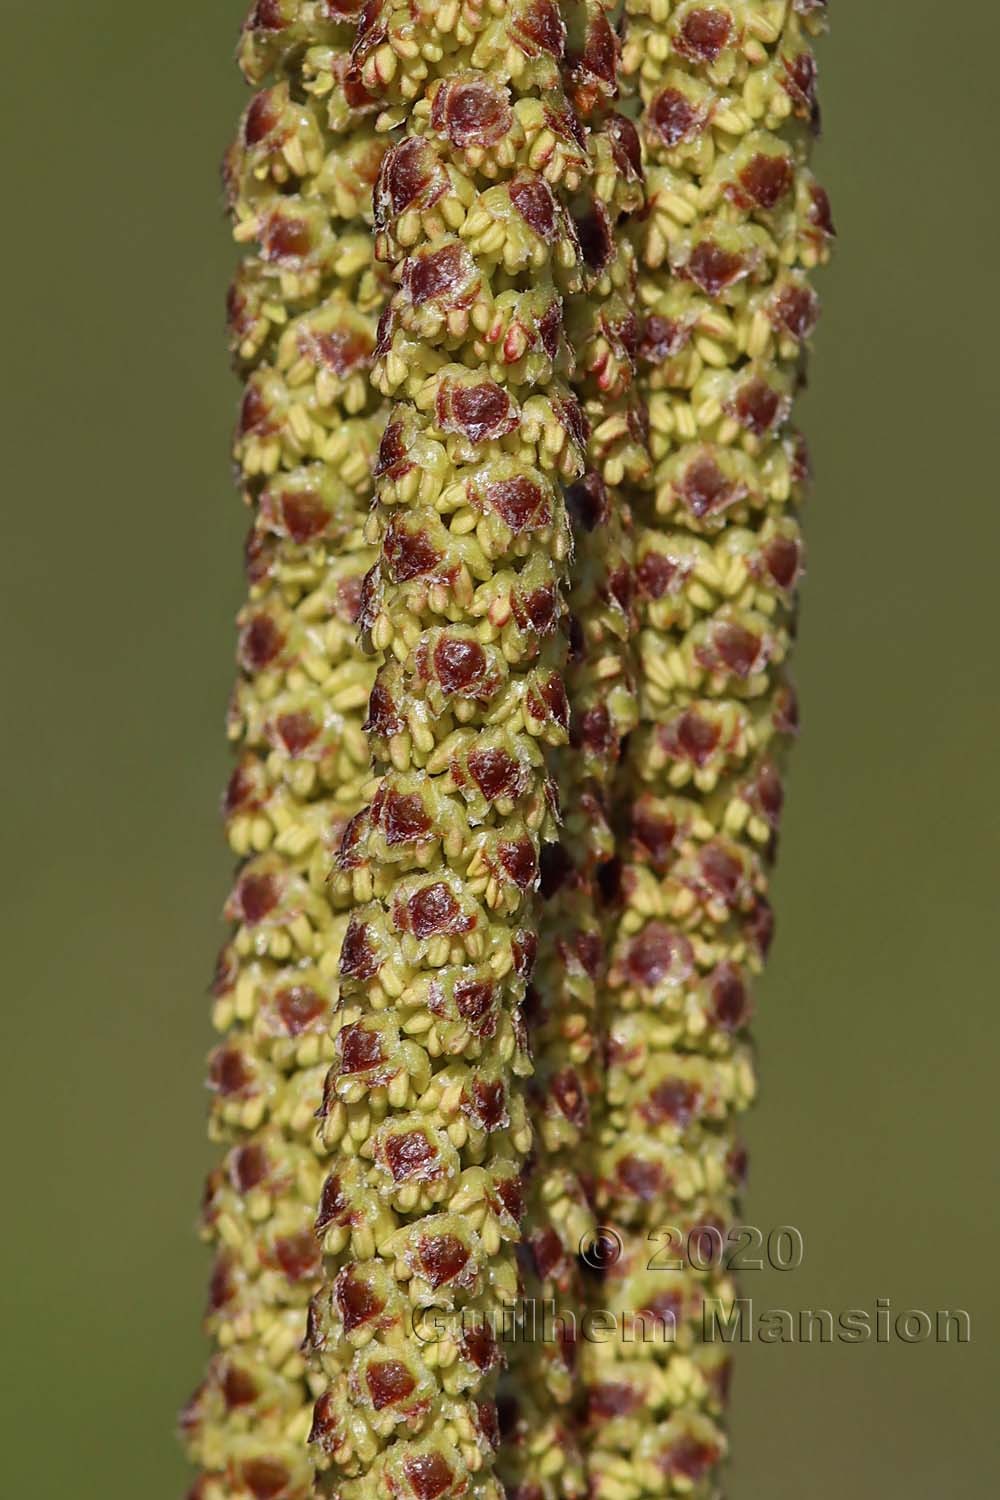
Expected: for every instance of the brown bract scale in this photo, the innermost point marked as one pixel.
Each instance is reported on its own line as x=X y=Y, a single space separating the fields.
x=471 y=111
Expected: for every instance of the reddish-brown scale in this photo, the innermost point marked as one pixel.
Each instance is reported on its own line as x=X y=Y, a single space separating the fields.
x=265 y=1478
x=547 y=1252
x=666 y=1305
x=705 y=490
x=408 y=554
x=431 y=912
x=487 y=1422
x=588 y=503
x=589 y=949
x=474 y=1002
x=392 y=452
x=261 y=117
x=332 y=1204
x=675 y=1101
x=243 y=789
x=596 y=237
x=359 y=1049
x=238 y=1387
x=510 y=1198
x=222 y=1285
x=594 y=731
x=673 y=118
x=356 y=1300
x=540 y=28
x=738 y=649
x=800 y=83
x=487 y=1105
x=304 y=515
x=554 y=697
x=692 y=737
x=704 y=33
x=442 y=273
x=566 y=126
x=626 y=147
x=690 y=1458
x=786 y=711
x=657 y=574
x=567 y=1090
x=642 y=1179
x=593 y=69
x=662 y=338
x=358 y=959
x=519 y=860
x=260 y=643
x=654 y=833
x=532 y=199
x=388 y=1381
x=342 y=350
x=248 y=1167
x=759 y=925
x=524 y=946
x=820 y=214
x=657 y=954
x=482 y=412
x=496 y=773
x=480 y=1347
x=255 y=414
x=521 y=504
x=460 y=665
x=401 y=817
x=300 y=1008
x=783 y=559
x=604 y=1402
x=410 y=177
x=382 y=720
x=537 y=611
x=227 y=972
x=255 y=897
x=713 y=269
x=730 y=1001
x=351 y=852
x=442 y=1258
x=298 y=1256
x=757 y=406
x=372 y=32
x=766 y=179
x=296 y=732
x=350 y=592
x=326 y=1429
x=796 y=311
x=267 y=16
x=738 y=1165
x=429 y=1475
x=550 y=328
x=769 y=793
x=286 y=240
x=573 y=419
x=228 y=1073
x=471 y=112
x=411 y=1155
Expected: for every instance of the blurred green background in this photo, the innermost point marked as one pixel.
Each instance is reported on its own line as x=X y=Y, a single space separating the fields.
x=878 y=1027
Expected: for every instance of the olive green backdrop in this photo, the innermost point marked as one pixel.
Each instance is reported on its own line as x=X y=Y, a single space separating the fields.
x=121 y=572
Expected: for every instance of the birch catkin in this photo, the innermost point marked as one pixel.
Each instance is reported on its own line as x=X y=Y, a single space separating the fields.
x=735 y=222
x=495 y=312
x=302 y=315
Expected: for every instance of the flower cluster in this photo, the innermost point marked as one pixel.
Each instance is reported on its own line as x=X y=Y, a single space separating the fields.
x=522 y=317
